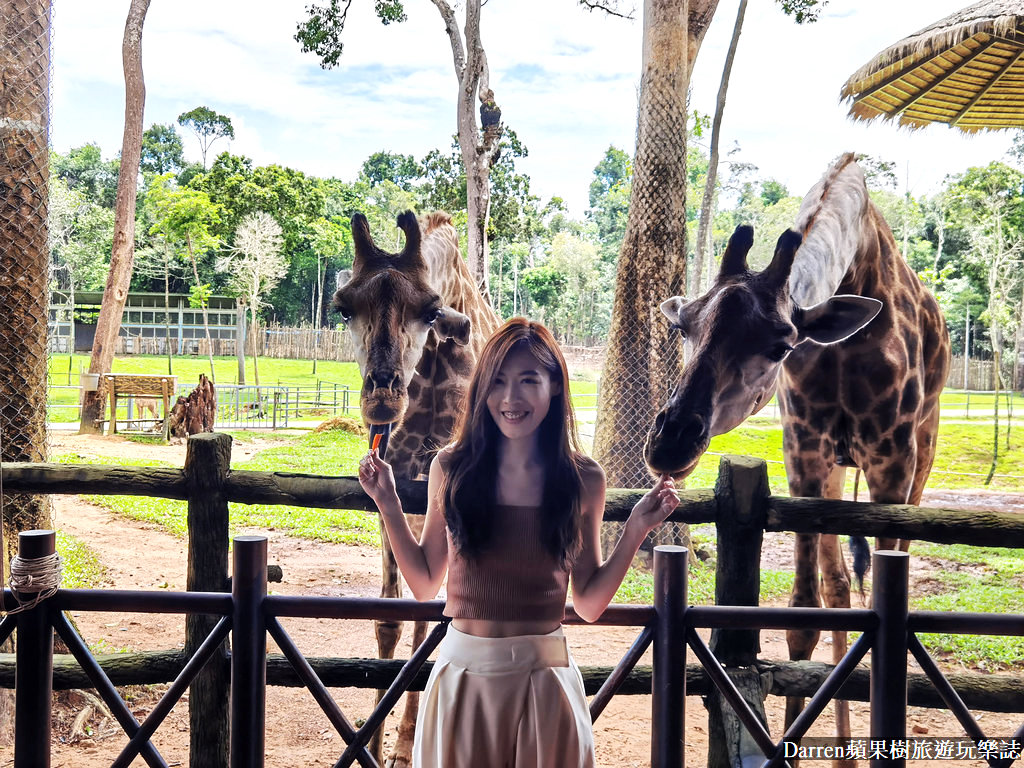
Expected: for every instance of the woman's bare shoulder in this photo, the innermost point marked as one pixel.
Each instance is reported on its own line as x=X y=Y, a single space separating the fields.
x=591 y=473
x=443 y=457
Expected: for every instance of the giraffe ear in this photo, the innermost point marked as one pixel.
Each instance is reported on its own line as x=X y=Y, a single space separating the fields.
x=734 y=260
x=835 y=319
x=453 y=325
x=675 y=309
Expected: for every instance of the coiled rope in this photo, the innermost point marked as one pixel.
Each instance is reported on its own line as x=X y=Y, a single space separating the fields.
x=35 y=576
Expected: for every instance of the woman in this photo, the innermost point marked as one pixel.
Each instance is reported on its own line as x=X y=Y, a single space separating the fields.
x=514 y=508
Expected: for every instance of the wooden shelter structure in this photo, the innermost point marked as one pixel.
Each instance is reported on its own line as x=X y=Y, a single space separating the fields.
x=966 y=70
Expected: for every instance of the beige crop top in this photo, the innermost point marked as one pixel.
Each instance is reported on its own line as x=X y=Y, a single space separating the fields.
x=516 y=579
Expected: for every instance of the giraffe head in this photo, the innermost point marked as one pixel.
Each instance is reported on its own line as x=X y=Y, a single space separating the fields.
x=738 y=334
x=390 y=309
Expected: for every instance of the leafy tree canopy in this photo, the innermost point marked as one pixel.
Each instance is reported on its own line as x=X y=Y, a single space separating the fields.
x=208 y=126
x=162 y=150
x=85 y=171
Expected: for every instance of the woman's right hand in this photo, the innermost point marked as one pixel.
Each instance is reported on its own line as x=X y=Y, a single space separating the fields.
x=377 y=478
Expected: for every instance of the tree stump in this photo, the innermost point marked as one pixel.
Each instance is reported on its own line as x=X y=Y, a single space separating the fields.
x=195 y=413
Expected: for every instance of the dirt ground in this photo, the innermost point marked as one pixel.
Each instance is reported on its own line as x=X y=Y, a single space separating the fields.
x=298 y=734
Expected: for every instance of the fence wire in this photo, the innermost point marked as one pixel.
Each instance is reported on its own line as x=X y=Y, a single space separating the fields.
x=25 y=65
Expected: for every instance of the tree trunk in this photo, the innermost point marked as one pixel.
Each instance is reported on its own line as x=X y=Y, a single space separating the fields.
x=642 y=357
x=996 y=359
x=240 y=325
x=255 y=348
x=206 y=317
x=24 y=268
x=167 y=310
x=479 y=150
x=108 y=325
x=704 y=227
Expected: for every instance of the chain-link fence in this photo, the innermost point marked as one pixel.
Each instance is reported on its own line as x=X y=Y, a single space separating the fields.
x=24 y=252
x=644 y=356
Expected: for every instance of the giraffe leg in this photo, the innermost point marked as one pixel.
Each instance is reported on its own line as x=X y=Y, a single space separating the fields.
x=805 y=595
x=835 y=584
x=401 y=753
x=835 y=579
x=388 y=632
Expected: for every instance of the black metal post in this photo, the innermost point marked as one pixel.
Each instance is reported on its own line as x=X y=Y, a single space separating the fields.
x=668 y=677
x=248 y=652
x=33 y=679
x=889 y=596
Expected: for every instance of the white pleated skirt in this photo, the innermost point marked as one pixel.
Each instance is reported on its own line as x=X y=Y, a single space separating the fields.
x=506 y=702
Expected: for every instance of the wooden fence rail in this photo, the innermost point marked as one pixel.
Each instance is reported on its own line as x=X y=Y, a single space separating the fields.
x=740 y=505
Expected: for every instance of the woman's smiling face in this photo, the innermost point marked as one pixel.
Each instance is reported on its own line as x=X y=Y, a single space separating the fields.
x=520 y=394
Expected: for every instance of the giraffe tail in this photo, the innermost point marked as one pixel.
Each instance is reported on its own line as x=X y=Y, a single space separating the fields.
x=861 y=560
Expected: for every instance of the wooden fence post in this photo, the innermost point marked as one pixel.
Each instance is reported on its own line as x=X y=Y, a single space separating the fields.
x=742 y=492
x=207 y=463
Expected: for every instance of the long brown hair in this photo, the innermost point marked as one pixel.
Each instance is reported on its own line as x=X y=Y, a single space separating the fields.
x=469 y=490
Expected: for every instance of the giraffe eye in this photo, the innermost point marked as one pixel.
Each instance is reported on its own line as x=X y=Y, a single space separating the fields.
x=431 y=316
x=779 y=351
x=346 y=314
x=677 y=329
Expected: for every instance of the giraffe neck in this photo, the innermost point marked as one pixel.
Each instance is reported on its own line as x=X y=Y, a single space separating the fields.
x=832 y=218
x=444 y=368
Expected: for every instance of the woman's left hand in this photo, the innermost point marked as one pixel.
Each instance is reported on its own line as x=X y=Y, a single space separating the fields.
x=657 y=504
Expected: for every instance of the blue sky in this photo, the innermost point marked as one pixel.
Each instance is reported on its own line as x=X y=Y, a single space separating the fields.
x=566 y=81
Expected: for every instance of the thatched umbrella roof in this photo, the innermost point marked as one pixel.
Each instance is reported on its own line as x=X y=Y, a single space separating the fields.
x=966 y=70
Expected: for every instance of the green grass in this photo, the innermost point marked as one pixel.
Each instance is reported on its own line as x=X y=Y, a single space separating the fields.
x=962 y=461
x=638 y=586
x=327 y=453
x=80 y=565
x=273 y=371
x=976 y=580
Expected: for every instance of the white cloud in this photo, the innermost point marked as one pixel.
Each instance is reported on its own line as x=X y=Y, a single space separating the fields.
x=566 y=81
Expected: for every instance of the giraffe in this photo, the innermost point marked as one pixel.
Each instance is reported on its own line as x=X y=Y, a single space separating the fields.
x=418 y=324
x=855 y=347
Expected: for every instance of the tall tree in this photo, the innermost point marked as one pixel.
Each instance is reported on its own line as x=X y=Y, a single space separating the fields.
x=254 y=265
x=208 y=126
x=187 y=218
x=642 y=356
x=479 y=142
x=24 y=256
x=108 y=325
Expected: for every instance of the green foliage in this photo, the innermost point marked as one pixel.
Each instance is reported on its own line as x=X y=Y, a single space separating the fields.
x=208 y=126
x=803 y=11
x=321 y=32
x=199 y=296
x=85 y=171
x=184 y=218
x=81 y=237
x=401 y=170
x=162 y=150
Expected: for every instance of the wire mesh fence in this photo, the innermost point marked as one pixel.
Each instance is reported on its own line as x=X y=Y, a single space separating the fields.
x=24 y=250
